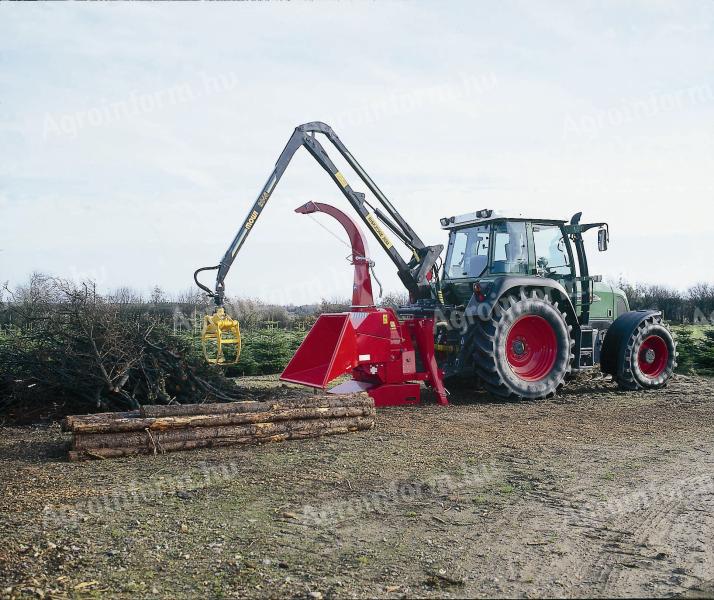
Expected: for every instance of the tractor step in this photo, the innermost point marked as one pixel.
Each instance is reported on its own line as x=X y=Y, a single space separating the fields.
x=588 y=350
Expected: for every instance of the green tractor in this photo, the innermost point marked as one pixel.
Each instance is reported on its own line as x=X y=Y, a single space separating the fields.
x=523 y=312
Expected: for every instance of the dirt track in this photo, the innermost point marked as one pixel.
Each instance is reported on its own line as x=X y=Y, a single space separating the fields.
x=596 y=492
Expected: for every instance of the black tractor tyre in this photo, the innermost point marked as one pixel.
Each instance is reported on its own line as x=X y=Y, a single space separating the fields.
x=525 y=349
x=648 y=358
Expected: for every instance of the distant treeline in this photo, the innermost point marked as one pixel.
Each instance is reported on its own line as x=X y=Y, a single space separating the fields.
x=694 y=305
x=183 y=308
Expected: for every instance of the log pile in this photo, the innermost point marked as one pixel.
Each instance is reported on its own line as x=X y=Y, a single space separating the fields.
x=155 y=429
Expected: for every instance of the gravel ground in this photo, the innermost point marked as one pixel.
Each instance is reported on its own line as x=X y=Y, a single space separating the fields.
x=593 y=493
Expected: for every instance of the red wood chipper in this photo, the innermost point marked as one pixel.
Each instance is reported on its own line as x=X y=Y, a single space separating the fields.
x=386 y=354
x=372 y=344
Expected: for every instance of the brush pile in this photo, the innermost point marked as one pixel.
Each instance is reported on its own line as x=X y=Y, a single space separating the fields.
x=156 y=429
x=72 y=350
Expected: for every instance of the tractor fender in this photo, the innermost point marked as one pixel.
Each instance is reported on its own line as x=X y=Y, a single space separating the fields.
x=615 y=342
x=482 y=309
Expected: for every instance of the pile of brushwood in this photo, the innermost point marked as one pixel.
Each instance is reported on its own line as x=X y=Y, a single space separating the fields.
x=71 y=350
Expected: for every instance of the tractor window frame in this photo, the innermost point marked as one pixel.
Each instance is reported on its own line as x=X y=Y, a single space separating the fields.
x=568 y=247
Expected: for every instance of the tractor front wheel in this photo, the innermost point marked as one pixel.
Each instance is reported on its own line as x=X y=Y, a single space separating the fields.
x=525 y=349
x=649 y=357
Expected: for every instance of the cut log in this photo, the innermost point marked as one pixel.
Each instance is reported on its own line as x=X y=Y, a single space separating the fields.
x=178 y=410
x=100 y=453
x=357 y=416
x=69 y=421
x=269 y=414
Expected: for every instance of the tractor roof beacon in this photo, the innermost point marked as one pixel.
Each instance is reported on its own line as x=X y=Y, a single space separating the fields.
x=513 y=305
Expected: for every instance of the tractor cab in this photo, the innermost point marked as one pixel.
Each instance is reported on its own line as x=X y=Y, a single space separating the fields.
x=505 y=245
x=487 y=245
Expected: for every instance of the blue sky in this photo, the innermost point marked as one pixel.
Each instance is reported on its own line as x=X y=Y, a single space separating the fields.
x=134 y=137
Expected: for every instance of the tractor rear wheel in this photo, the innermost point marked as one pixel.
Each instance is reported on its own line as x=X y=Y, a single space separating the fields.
x=649 y=358
x=525 y=349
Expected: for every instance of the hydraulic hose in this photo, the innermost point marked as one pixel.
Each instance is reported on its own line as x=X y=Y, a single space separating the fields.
x=217 y=296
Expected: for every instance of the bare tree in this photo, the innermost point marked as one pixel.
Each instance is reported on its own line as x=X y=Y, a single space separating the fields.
x=334 y=304
x=157 y=295
x=700 y=300
x=126 y=296
x=394 y=299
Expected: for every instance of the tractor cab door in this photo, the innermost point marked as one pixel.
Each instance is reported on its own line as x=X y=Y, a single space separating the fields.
x=509 y=255
x=553 y=259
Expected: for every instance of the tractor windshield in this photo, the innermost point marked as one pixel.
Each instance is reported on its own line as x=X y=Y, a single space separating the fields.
x=468 y=252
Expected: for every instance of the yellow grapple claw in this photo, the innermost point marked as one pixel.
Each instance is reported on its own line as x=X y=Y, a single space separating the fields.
x=220 y=338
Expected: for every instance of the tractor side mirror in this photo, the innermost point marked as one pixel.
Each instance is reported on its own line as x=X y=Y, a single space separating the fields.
x=602 y=239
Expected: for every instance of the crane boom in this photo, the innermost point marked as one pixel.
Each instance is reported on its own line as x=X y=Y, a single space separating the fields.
x=413 y=272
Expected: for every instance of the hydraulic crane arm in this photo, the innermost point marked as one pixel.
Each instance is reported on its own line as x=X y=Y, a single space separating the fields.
x=413 y=273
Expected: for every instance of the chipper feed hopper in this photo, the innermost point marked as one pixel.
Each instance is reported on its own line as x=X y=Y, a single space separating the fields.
x=513 y=306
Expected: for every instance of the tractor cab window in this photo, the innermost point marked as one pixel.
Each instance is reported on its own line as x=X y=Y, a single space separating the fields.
x=468 y=252
x=551 y=251
x=510 y=248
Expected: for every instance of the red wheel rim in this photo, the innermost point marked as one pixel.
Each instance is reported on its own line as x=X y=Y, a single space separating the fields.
x=653 y=356
x=531 y=348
